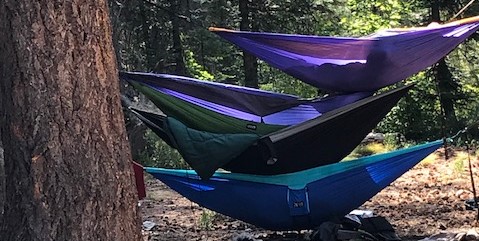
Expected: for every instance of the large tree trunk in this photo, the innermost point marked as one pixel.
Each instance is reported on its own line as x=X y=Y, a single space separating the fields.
x=250 y=63
x=67 y=160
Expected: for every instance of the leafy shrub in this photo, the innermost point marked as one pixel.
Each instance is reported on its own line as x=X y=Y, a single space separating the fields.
x=206 y=219
x=459 y=163
x=158 y=154
x=367 y=150
x=429 y=160
x=393 y=141
x=371 y=148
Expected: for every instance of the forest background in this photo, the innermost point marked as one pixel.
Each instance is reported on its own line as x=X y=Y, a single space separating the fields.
x=171 y=36
x=39 y=193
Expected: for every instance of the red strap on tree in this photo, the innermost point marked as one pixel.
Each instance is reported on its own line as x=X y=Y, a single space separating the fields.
x=139 y=179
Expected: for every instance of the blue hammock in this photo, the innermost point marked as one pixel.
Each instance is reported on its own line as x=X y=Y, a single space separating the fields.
x=300 y=200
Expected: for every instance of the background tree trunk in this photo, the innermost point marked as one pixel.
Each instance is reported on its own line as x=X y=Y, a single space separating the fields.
x=2 y=179
x=67 y=159
x=446 y=85
x=250 y=64
x=180 y=68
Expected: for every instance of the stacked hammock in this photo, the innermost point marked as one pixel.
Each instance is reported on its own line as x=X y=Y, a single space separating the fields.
x=300 y=200
x=282 y=152
x=342 y=64
x=330 y=136
x=232 y=109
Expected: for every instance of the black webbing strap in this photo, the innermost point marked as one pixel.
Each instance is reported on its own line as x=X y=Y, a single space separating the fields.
x=471 y=175
x=271 y=156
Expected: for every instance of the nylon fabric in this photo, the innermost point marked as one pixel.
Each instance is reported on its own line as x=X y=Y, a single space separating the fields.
x=236 y=101
x=342 y=64
x=155 y=122
x=299 y=180
x=320 y=141
x=205 y=152
x=200 y=118
x=253 y=101
x=331 y=136
x=331 y=191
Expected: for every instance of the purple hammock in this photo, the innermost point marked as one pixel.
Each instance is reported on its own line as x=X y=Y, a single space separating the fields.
x=342 y=64
x=243 y=103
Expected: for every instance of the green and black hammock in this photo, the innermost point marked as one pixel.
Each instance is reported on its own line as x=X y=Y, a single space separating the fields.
x=323 y=140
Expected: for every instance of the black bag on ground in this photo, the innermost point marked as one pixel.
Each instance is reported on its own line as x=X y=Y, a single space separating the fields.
x=380 y=228
x=352 y=227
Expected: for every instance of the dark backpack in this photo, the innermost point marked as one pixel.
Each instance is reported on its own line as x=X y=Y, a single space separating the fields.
x=370 y=229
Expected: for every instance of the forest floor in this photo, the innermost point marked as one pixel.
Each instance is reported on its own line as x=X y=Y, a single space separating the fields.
x=426 y=200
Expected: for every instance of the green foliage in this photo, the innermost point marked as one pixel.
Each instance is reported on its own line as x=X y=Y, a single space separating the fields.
x=367 y=150
x=143 y=42
x=465 y=70
x=277 y=81
x=214 y=55
x=394 y=141
x=158 y=154
x=137 y=27
x=429 y=160
x=367 y=16
x=206 y=219
x=459 y=164
x=196 y=69
x=304 y=17
x=416 y=116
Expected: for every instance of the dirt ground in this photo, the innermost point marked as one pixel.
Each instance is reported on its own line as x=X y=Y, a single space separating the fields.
x=425 y=201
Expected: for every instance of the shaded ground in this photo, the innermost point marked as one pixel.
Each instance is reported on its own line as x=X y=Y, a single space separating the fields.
x=426 y=200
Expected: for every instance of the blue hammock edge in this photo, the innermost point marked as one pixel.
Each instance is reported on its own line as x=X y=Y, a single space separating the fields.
x=300 y=200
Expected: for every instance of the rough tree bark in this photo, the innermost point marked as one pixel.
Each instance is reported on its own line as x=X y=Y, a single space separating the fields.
x=67 y=159
x=250 y=63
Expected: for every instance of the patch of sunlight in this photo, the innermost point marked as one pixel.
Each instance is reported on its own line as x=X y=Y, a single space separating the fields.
x=366 y=150
x=459 y=161
x=429 y=159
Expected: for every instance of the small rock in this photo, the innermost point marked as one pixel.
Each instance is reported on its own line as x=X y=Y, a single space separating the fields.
x=148 y=225
x=472 y=235
x=460 y=237
x=462 y=194
x=243 y=237
x=442 y=227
